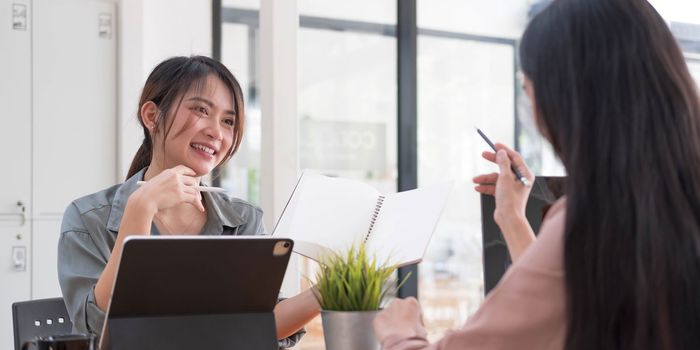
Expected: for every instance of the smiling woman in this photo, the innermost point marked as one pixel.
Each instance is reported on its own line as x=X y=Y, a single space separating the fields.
x=191 y=111
x=204 y=124
x=202 y=104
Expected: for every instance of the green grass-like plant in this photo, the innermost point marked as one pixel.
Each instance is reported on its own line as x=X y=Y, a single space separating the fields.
x=354 y=281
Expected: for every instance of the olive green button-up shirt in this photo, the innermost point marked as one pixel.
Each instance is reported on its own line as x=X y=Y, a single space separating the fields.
x=89 y=230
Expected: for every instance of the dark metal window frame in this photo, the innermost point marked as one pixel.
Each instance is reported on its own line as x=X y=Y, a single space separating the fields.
x=407 y=77
x=406 y=32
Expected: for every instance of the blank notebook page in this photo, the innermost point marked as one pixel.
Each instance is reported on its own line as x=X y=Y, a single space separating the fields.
x=406 y=223
x=332 y=212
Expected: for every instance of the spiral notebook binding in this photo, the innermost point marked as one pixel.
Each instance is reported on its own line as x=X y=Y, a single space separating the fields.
x=375 y=216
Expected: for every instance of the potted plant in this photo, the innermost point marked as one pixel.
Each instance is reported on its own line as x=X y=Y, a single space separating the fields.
x=351 y=287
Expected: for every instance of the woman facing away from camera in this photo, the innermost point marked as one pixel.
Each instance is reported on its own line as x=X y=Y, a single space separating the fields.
x=191 y=111
x=616 y=264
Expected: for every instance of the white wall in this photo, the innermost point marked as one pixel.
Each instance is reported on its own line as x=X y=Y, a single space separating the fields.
x=149 y=32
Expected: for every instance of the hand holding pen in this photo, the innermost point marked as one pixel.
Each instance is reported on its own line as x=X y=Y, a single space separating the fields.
x=512 y=185
x=196 y=188
x=513 y=167
x=511 y=188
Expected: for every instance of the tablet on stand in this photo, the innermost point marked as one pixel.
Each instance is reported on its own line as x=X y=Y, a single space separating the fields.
x=196 y=292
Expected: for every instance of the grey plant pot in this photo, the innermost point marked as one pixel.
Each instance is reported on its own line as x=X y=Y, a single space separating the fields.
x=349 y=330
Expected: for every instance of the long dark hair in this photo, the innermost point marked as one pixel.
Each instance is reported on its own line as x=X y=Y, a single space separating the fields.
x=614 y=96
x=166 y=87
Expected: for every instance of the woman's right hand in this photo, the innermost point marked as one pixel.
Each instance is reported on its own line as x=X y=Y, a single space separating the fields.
x=169 y=188
x=165 y=190
x=510 y=194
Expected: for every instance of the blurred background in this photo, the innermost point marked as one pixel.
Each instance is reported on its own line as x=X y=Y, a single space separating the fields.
x=467 y=77
x=354 y=80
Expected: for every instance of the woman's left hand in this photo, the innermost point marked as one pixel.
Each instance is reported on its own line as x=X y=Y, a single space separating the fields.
x=402 y=318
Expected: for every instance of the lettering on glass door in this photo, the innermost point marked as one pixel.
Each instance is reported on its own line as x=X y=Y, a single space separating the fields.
x=19 y=17
x=105 y=25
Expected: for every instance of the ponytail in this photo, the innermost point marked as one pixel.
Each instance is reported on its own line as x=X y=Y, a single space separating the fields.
x=142 y=158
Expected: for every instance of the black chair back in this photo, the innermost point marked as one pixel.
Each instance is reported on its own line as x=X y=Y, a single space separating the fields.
x=545 y=191
x=41 y=317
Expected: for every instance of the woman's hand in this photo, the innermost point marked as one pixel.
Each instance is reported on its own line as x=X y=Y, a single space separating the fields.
x=168 y=189
x=401 y=319
x=163 y=191
x=510 y=194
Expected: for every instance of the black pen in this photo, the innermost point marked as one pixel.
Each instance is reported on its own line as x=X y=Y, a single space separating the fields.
x=520 y=176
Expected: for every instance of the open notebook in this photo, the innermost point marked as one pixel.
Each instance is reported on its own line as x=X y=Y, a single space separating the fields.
x=327 y=215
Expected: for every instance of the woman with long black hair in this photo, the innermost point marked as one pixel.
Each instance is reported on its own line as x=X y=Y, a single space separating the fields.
x=616 y=264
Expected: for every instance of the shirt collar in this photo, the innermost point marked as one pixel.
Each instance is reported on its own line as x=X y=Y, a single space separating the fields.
x=220 y=211
x=120 y=198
